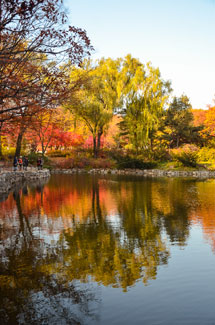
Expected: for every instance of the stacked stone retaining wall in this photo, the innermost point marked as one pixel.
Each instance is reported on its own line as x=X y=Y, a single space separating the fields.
x=140 y=172
x=9 y=178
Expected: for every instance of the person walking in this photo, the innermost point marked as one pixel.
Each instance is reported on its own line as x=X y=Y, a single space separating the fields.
x=15 y=163
x=20 y=163
x=25 y=163
x=39 y=163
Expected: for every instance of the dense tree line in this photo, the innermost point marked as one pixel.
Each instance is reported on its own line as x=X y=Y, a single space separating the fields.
x=53 y=97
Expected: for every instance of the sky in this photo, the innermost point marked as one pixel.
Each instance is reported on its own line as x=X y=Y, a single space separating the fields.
x=177 y=36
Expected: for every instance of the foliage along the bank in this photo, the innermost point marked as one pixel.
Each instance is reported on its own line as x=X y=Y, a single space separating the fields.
x=120 y=109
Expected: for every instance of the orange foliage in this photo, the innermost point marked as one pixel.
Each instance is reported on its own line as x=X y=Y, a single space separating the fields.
x=199 y=116
x=210 y=121
x=113 y=131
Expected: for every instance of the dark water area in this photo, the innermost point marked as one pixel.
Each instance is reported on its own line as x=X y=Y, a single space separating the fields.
x=82 y=249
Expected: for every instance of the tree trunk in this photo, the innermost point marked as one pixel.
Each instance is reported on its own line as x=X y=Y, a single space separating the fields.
x=99 y=141
x=0 y=146
x=177 y=144
x=43 y=149
x=19 y=143
x=1 y=139
x=135 y=143
x=94 y=147
x=151 y=143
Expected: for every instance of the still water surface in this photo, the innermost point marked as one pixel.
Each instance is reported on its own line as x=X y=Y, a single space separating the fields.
x=84 y=249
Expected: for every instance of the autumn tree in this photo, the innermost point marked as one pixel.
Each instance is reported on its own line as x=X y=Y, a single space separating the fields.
x=48 y=130
x=145 y=95
x=199 y=116
x=97 y=99
x=208 y=131
x=29 y=30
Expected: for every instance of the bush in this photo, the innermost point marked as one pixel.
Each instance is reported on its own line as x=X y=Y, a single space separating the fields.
x=33 y=156
x=102 y=163
x=59 y=153
x=161 y=154
x=134 y=163
x=187 y=158
x=82 y=162
x=158 y=154
x=8 y=152
x=206 y=155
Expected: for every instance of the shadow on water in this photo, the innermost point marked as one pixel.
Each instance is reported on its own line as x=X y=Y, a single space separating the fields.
x=58 y=239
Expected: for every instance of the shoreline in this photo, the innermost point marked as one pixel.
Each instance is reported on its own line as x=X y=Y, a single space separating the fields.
x=8 y=179
x=202 y=174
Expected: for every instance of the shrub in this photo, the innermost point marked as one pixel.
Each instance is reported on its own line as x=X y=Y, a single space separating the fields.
x=135 y=163
x=206 y=155
x=59 y=153
x=82 y=162
x=102 y=163
x=188 y=158
x=33 y=156
x=8 y=152
x=161 y=154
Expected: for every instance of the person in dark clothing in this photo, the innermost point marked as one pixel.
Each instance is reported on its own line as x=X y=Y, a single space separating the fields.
x=40 y=163
x=25 y=163
x=15 y=163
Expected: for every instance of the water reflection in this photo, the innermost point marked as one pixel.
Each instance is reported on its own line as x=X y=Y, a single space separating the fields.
x=32 y=289
x=57 y=238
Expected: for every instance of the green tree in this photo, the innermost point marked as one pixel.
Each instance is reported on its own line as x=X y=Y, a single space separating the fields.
x=145 y=97
x=179 y=120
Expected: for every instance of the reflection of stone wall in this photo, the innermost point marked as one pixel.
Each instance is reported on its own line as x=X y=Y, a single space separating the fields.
x=9 y=178
x=140 y=172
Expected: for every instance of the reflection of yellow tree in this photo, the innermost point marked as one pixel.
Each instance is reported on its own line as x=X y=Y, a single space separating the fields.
x=166 y=202
x=176 y=198
x=110 y=259
x=117 y=257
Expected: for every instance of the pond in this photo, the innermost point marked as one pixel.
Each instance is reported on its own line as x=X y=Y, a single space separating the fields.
x=84 y=249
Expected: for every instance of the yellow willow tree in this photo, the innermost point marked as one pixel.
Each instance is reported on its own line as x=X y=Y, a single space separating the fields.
x=123 y=86
x=95 y=102
x=145 y=95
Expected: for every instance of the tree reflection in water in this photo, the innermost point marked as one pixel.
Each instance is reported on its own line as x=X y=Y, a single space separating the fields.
x=32 y=290
x=116 y=257
x=58 y=239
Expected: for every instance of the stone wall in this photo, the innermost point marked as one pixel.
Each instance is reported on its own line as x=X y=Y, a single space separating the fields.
x=139 y=172
x=9 y=178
